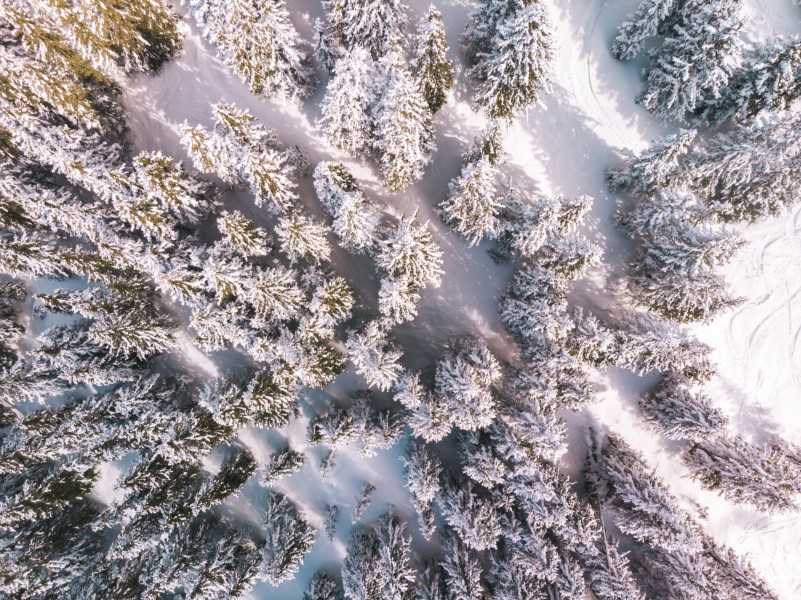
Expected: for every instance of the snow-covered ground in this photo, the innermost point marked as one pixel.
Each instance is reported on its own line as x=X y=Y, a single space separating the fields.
x=584 y=125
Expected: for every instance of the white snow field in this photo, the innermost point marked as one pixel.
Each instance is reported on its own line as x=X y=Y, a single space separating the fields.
x=563 y=147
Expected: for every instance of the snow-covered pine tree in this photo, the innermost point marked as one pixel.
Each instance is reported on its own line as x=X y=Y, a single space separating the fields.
x=696 y=61
x=268 y=173
x=472 y=518
x=477 y=38
x=745 y=174
x=409 y=390
x=371 y=24
x=403 y=128
x=686 y=250
x=327 y=48
x=545 y=231
x=767 y=476
x=363 y=501
x=349 y=98
x=739 y=578
x=699 y=569
x=409 y=250
x=461 y=571
x=431 y=418
x=126 y=325
x=422 y=473
x=263 y=398
x=657 y=211
x=431 y=583
x=518 y=66
x=648 y=512
x=243 y=235
x=678 y=412
x=374 y=356
x=52 y=555
x=377 y=429
x=643 y=23
x=323 y=587
x=282 y=463
x=489 y=144
x=12 y=293
x=237 y=467
x=647 y=344
x=398 y=298
x=257 y=40
x=472 y=205
x=336 y=429
x=302 y=238
x=675 y=271
x=99 y=427
x=374 y=430
x=768 y=80
x=607 y=570
x=288 y=537
x=64 y=358
x=378 y=564
x=693 y=297
x=464 y=380
x=659 y=167
x=431 y=67
x=137 y=36
x=536 y=306
x=210 y=557
x=355 y=222
x=331 y=513
x=242 y=151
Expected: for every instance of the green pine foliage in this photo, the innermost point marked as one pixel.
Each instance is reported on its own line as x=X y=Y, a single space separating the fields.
x=433 y=70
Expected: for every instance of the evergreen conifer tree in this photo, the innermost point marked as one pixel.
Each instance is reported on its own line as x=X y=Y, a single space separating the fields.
x=473 y=519
x=409 y=250
x=403 y=129
x=767 y=81
x=765 y=476
x=378 y=563
x=472 y=206
x=430 y=65
x=422 y=474
x=371 y=24
x=374 y=357
x=288 y=537
x=696 y=61
x=348 y=103
x=323 y=587
x=518 y=66
x=643 y=23
x=679 y=413
x=258 y=41
x=354 y=222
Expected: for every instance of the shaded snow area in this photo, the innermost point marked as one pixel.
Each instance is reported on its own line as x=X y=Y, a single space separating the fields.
x=587 y=123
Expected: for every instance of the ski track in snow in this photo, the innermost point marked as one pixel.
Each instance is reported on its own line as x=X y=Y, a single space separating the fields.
x=564 y=147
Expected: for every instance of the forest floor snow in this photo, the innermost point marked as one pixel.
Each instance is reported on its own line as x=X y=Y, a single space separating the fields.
x=585 y=125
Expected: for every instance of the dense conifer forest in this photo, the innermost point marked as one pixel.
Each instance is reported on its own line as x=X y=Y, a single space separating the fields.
x=295 y=302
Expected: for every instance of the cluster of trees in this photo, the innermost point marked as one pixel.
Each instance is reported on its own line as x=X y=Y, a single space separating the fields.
x=704 y=70
x=74 y=205
x=673 y=556
x=154 y=263
x=406 y=254
x=379 y=100
x=686 y=190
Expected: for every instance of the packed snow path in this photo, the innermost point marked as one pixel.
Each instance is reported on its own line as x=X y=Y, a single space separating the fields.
x=561 y=148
